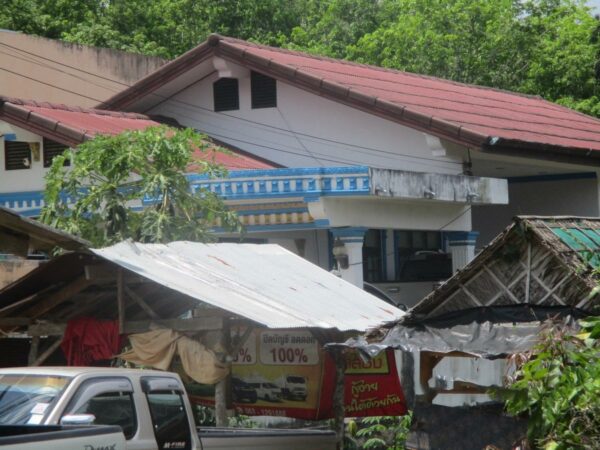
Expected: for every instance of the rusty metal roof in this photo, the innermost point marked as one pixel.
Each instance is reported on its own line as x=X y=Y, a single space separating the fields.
x=265 y=283
x=491 y=119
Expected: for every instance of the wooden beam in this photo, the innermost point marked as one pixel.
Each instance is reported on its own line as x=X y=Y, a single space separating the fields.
x=47 y=353
x=68 y=291
x=141 y=326
x=121 y=300
x=141 y=302
x=222 y=387
x=11 y=322
x=338 y=395
x=33 y=350
x=105 y=274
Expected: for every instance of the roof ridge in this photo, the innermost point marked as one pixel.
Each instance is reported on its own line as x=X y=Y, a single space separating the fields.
x=217 y=37
x=71 y=108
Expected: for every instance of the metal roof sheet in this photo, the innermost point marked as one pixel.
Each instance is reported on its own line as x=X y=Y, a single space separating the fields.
x=469 y=114
x=262 y=282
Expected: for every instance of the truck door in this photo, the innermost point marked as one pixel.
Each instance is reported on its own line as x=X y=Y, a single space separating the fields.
x=172 y=426
x=111 y=402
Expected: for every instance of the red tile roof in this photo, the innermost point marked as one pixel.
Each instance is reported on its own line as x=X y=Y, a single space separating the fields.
x=476 y=116
x=71 y=126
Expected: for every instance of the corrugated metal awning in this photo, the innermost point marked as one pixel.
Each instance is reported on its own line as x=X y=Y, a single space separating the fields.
x=262 y=282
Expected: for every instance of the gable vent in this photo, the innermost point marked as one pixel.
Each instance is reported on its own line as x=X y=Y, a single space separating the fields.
x=226 y=94
x=52 y=149
x=17 y=155
x=264 y=91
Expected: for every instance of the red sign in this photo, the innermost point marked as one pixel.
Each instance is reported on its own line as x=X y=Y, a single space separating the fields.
x=287 y=373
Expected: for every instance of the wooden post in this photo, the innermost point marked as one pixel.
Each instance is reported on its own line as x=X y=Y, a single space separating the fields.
x=338 y=396
x=121 y=300
x=222 y=396
x=407 y=378
x=33 y=350
x=47 y=353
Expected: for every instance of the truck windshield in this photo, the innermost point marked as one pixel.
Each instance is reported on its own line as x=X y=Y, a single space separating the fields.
x=24 y=399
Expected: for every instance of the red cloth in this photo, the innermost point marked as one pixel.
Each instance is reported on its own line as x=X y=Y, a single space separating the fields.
x=87 y=340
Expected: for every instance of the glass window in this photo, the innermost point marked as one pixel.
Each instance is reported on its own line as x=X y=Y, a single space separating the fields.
x=420 y=256
x=373 y=253
x=25 y=399
x=171 y=426
x=112 y=408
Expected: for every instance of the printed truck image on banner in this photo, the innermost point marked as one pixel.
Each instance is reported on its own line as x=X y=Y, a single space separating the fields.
x=287 y=373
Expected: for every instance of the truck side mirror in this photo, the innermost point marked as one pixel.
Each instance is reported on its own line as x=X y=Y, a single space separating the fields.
x=77 y=419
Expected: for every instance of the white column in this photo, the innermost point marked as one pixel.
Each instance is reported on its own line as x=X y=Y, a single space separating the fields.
x=352 y=239
x=462 y=247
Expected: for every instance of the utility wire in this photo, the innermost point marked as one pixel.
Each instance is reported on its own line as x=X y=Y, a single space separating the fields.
x=198 y=107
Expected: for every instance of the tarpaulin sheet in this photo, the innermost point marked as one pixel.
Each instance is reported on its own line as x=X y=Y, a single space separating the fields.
x=156 y=349
x=484 y=332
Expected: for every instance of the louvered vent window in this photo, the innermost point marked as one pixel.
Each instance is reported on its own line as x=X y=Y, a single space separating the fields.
x=17 y=155
x=52 y=149
x=264 y=91
x=226 y=94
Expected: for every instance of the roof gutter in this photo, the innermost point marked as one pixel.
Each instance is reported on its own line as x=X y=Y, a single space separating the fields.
x=36 y=123
x=523 y=149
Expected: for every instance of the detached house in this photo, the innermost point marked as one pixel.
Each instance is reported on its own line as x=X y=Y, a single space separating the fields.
x=400 y=176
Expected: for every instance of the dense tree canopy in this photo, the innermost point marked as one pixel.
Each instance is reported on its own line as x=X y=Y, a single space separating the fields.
x=542 y=47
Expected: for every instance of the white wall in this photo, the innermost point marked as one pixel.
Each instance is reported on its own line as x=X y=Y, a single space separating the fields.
x=266 y=132
x=578 y=197
x=31 y=179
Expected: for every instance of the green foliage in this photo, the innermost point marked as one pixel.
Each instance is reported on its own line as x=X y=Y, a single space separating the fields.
x=110 y=175
x=542 y=47
x=558 y=387
x=378 y=433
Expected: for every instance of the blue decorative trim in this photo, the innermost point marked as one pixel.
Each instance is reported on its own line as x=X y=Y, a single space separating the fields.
x=322 y=223
x=349 y=234
x=287 y=172
x=309 y=183
x=278 y=227
x=254 y=212
x=554 y=177
x=21 y=200
x=10 y=137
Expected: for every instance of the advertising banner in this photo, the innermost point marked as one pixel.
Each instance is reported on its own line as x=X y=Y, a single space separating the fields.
x=287 y=373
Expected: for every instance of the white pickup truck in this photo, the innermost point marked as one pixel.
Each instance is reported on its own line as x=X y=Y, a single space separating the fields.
x=149 y=406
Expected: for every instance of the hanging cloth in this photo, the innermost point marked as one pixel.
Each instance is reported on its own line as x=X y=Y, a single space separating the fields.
x=156 y=348
x=87 y=340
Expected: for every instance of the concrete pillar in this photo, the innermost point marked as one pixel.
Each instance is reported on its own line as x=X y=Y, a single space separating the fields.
x=352 y=239
x=462 y=247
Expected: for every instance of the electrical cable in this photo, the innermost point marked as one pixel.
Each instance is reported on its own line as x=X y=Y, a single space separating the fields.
x=198 y=107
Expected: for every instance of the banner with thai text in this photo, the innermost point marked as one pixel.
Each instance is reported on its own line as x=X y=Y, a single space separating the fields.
x=287 y=373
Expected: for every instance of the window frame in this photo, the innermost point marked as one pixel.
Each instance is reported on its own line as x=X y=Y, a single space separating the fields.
x=94 y=387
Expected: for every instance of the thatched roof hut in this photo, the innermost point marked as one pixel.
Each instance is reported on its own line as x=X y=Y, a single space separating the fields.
x=541 y=261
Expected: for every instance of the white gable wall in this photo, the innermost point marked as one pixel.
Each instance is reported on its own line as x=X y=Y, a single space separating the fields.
x=306 y=130
x=31 y=179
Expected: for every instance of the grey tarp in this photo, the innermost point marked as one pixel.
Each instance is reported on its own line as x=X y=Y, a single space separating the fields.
x=484 y=332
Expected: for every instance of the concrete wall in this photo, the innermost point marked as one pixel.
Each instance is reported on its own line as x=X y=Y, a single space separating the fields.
x=56 y=71
x=306 y=130
x=578 y=197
